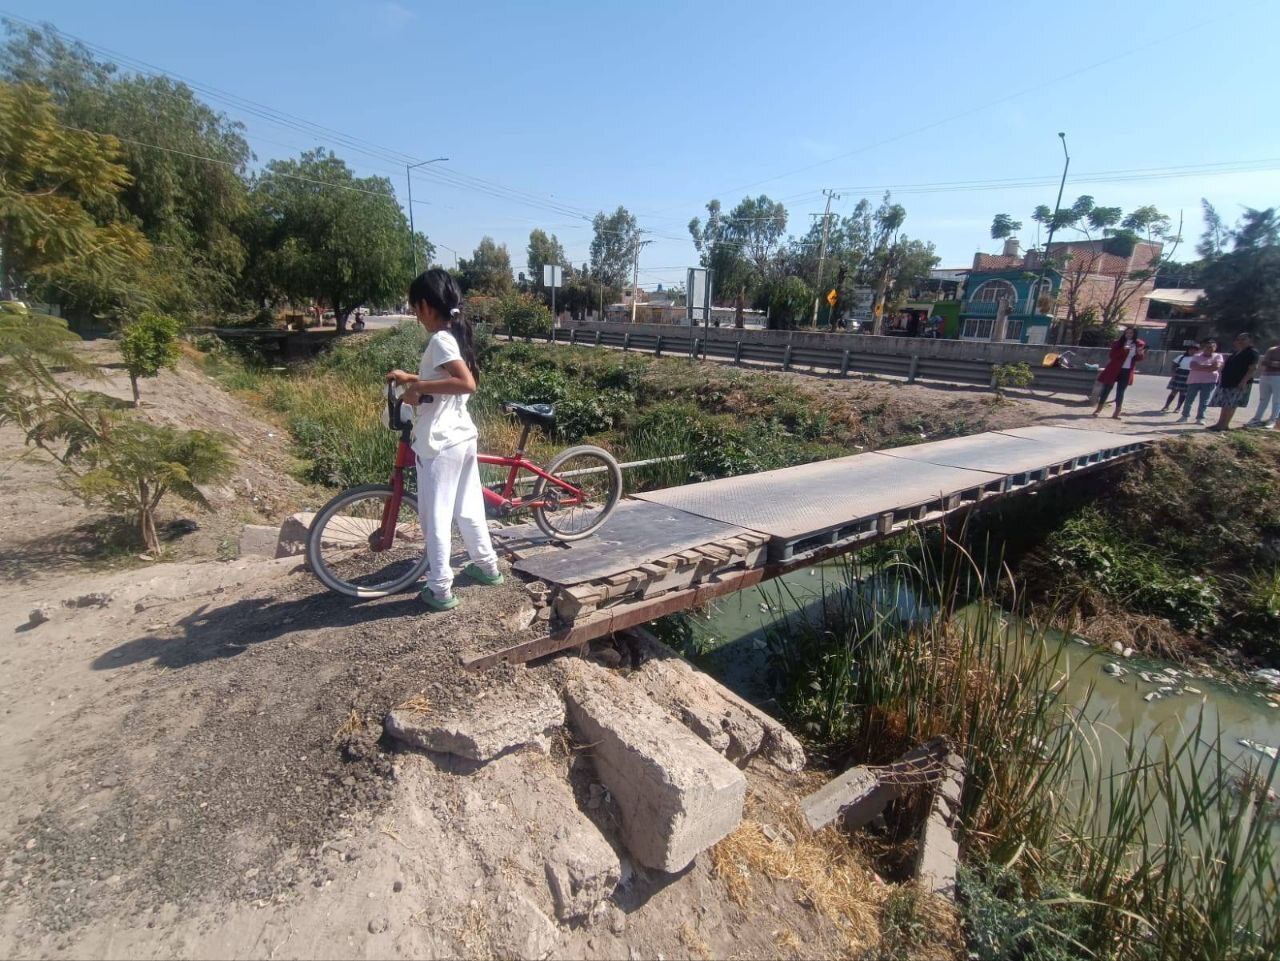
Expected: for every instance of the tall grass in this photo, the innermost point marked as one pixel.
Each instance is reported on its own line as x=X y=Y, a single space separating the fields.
x=1165 y=850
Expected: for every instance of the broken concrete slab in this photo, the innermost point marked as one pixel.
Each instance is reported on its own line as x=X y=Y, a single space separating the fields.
x=733 y=726
x=258 y=540
x=676 y=795
x=582 y=870
x=488 y=729
x=939 y=856
x=861 y=793
x=292 y=538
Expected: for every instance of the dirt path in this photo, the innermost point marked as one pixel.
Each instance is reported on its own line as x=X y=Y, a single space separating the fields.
x=195 y=762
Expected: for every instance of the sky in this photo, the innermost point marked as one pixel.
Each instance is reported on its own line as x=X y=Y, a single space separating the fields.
x=550 y=112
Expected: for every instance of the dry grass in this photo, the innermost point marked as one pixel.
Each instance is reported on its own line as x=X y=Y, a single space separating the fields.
x=1153 y=636
x=352 y=725
x=693 y=941
x=830 y=875
x=418 y=704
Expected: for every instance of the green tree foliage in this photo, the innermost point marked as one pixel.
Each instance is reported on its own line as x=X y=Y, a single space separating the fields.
x=613 y=248
x=186 y=163
x=489 y=269
x=1002 y=226
x=721 y=245
x=58 y=188
x=148 y=344
x=1242 y=288
x=524 y=315
x=134 y=464
x=543 y=250
x=790 y=301
x=316 y=231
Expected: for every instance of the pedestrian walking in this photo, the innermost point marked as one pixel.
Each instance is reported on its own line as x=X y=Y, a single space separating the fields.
x=1202 y=378
x=1233 y=385
x=1126 y=353
x=1268 y=389
x=1178 y=382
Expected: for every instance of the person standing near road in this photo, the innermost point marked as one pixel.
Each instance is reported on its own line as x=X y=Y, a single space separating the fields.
x=1268 y=389
x=1201 y=379
x=1178 y=382
x=444 y=439
x=1233 y=385
x=1126 y=353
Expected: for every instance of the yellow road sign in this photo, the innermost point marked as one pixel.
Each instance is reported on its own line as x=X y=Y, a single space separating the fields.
x=832 y=297
x=879 y=311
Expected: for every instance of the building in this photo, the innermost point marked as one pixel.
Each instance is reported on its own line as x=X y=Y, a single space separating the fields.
x=1093 y=274
x=1176 y=310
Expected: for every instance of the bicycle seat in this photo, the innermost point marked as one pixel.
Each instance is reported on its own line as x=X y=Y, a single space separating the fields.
x=541 y=415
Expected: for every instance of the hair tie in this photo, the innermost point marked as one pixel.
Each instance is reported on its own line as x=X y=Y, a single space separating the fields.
x=454 y=312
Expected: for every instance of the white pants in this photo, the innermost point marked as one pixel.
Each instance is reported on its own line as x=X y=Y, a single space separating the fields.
x=1268 y=396
x=448 y=491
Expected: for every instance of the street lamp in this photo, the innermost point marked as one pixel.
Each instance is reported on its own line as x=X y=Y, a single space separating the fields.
x=413 y=248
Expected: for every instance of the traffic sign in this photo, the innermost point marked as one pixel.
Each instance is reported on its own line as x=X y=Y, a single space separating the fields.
x=832 y=297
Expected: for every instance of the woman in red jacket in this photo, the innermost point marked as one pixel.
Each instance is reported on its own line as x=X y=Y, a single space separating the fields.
x=1126 y=353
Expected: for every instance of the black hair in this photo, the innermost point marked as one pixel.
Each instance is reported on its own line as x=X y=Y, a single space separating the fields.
x=1125 y=330
x=440 y=291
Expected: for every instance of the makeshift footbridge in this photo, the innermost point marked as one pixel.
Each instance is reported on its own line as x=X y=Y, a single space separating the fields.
x=674 y=549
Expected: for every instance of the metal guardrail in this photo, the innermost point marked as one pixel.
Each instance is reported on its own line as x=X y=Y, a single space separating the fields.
x=682 y=341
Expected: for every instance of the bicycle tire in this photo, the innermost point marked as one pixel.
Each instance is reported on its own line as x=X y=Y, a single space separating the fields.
x=411 y=567
x=546 y=519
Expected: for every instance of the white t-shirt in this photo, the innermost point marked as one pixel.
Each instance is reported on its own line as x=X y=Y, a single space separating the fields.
x=444 y=422
x=1128 y=357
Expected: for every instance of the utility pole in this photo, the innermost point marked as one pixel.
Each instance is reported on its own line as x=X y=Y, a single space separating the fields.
x=413 y=247
x=1044 y=262
x=822 y=255
x=635 y=277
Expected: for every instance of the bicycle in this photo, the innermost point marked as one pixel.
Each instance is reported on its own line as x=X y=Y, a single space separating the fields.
x=367 y=542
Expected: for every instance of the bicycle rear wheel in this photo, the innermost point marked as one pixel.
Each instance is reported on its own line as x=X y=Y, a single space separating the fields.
x=597 y=474
x=340 y=544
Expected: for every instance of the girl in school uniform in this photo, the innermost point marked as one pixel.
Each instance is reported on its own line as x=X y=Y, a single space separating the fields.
x=1178 y=382
x=444 y=439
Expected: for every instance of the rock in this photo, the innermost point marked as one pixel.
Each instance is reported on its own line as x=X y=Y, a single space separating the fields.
x=88 y=600
x=1128 y=652
x=732 y=726
x=397 y=887
x=39 y=615
x=520 y=619
x=520 y=929
x=1117 y=648
x=258 y=540
x=378 y=925
x=617 y=921
x=607 y=655
x=582 y=871
x=292 y=537
x=1114 y=669
x=487 y=729
x=859 y=794
x=675 y=794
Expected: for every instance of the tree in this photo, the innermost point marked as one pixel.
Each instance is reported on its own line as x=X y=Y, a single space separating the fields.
x=613 y=248
x=489 y=269
x=789 y=303
x=1216 y=236
x=318 y=232
x=543 y=250
x=147 y=345
x=1242 y=287
x=57 y=190
x=1002 y=226
x=757 y=226
x=135 y=464
x=186 y=162
x=524 y=315
x=732 y=274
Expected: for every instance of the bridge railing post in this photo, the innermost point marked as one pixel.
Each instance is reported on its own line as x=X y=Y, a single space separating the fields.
x=598 y=332
x=786 y=358
x=911 y=371
x=844 y=363
x=626 y=340
x=573 y=336
x=657 y=348
x=737 y=352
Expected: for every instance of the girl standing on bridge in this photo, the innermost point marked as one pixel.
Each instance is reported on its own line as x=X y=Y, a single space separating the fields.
x=444 y=439
x=1126 y=353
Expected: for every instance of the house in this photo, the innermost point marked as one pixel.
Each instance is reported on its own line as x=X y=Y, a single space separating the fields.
x=1175 y=310
x=1089 y=274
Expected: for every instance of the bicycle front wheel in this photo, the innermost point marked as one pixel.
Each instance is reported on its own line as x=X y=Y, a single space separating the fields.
x=594 y=472
x=342 y=539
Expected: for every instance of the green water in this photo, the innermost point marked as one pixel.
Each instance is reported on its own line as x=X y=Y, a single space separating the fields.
x=733 y=635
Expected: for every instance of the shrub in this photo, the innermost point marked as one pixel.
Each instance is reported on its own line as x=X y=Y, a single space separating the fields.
x=524 y=315
x=148 y=344
x=592 y=413
x=1004 y=376
x=791 y=301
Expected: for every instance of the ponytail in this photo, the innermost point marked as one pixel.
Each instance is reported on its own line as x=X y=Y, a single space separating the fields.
x=441 y=292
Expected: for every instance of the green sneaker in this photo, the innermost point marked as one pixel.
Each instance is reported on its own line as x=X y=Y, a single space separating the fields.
x=429 y=598
x=474 y=572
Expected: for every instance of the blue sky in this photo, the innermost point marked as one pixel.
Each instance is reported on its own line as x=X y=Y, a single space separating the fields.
x=660 y=106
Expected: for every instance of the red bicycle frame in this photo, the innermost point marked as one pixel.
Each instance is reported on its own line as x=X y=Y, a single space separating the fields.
x=504 y=503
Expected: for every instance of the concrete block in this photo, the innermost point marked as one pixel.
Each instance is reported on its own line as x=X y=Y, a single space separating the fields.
x=856 y=795
x=939 y=856
x=582 y=870
x=258 y=540
x=292 y=538
x=497 y=725
x=676 y=795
